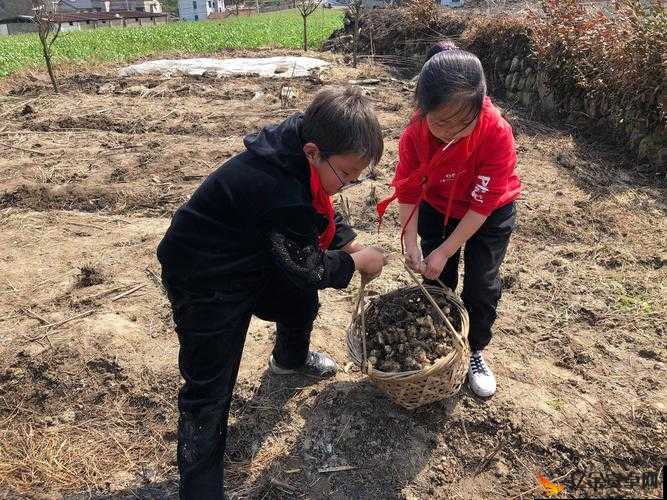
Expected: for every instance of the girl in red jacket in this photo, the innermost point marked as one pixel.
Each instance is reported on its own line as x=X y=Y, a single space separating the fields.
x=456 y=184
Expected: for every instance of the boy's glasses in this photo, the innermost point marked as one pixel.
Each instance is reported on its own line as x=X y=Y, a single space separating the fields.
x=343 y=185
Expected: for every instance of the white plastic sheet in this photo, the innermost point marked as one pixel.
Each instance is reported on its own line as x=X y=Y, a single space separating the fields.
x=269 y=67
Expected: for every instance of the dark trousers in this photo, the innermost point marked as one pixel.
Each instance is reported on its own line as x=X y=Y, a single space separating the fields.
x=211 y=328
x=483 y=254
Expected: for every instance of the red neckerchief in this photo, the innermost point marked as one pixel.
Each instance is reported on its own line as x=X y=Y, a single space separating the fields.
x=322 y=205
x=419 y=177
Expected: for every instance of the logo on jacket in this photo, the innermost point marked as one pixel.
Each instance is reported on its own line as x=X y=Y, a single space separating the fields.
x=480 y=188
x=448 y=177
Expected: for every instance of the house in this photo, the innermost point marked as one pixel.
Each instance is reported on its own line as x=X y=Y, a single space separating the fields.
x=153 y=6
x=199 y=10
x=15 y=17
x=451 y=3
x=75 y=21
x=13 y=8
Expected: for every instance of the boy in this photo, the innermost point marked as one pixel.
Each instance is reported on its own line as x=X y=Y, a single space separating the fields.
x=260 y=237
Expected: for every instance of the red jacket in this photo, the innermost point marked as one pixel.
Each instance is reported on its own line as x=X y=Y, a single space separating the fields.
x=477 y=172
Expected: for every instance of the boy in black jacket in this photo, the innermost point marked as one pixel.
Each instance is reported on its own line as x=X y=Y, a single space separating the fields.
x=260 y=237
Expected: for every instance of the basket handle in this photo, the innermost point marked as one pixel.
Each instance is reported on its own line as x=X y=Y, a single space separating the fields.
x=444 y=317
x=359 y=310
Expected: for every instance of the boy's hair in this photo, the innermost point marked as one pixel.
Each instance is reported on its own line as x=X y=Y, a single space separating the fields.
x=342 y=121
x=451 y=75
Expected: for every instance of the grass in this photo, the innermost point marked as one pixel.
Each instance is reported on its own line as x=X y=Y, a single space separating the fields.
x=278 y=29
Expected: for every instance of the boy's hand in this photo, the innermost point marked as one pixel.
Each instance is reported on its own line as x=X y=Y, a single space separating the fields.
x=369 y=262
x=353 y=247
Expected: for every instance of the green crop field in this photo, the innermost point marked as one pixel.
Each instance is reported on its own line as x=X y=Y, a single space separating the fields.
x=278 y=29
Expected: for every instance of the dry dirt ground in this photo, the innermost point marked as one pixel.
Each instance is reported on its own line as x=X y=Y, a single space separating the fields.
x=88 y=377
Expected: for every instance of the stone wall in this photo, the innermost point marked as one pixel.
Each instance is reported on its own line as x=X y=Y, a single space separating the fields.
x=522 y=80
x=505 y=48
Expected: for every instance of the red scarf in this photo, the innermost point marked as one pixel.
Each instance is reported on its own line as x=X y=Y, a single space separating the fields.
x=322 y=205
x=420 y=176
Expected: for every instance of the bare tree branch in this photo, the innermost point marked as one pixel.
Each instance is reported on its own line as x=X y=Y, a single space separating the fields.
x=306 y=8
x=56 y=35
x=45 y=19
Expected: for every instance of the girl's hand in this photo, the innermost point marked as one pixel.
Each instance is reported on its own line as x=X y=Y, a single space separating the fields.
x=433 y=265
x=413 y=256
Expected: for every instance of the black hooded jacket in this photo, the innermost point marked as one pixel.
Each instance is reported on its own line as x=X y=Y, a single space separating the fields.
x=254 y=215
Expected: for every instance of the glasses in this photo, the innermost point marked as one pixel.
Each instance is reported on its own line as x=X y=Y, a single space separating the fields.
x=343 y=185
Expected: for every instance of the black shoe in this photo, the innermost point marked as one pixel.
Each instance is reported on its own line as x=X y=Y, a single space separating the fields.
x=317 y=364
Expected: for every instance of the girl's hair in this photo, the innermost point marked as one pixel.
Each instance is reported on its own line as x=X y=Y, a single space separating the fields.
x=451 y=75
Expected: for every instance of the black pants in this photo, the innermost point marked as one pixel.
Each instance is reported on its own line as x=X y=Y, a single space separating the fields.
x=211 y=328
x=483 y=255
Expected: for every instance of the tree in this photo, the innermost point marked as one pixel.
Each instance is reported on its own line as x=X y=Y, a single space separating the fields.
x=356 y=11
x=306 y=8
x=48 y=29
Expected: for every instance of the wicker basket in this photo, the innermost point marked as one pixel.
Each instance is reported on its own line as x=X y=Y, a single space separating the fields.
x=416 y=388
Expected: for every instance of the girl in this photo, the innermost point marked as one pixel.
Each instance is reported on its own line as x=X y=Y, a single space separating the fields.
x=456 y=184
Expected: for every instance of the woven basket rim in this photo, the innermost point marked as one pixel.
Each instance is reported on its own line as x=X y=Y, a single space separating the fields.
x=439 y=365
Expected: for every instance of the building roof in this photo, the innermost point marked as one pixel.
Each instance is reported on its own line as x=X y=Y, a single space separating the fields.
x=74 y=17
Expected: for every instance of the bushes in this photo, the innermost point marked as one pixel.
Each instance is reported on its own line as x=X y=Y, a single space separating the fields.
x=615 y=59
x=605 y=67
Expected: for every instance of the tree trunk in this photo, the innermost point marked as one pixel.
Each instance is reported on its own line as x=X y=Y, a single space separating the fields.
x=47 y=59
x=305 y=34
x=355 y=40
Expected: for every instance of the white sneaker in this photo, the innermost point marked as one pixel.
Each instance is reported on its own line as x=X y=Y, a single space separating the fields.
x=480 y=377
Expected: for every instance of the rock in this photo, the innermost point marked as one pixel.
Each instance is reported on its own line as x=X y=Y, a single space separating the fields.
x=32 y=350
x=27 y=110
x=14 y=373
x=508 y=81
x=150 y=474
x=651 y=148
x=526 y=98
x=548 y=104
x=52 y=495
x=68 y=417
x=661 y=158
x=107 y=88
x=288 y=94
x=591 y=108
x=136 y=90
x=258 y=95
x=119 y=481
x=367 y=81
x=541 y=84
x=514 y=66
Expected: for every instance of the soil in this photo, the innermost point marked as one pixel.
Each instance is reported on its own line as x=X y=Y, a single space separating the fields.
x=404 y=332
x=88 y=374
